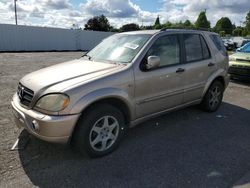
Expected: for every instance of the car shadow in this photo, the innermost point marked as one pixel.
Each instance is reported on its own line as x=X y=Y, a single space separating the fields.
x=186 y=148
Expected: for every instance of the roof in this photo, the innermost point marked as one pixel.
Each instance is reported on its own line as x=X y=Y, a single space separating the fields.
x=152 y=32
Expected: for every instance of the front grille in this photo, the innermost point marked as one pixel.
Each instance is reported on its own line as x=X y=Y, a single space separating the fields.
x=243 y=60
x=25 y=94
x=240 y=66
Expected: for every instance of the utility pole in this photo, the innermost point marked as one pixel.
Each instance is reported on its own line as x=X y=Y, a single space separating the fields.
x=15 y=11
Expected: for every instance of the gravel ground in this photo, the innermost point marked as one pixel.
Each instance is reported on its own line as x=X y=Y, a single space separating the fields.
x=186 y=148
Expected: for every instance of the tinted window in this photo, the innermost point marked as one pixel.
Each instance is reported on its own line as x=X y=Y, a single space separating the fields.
x=167 y=48
x=193 y=47
x=219 y=44
x=205 y=50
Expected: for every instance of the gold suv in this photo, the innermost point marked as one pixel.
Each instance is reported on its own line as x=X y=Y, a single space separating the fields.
x=126 y=79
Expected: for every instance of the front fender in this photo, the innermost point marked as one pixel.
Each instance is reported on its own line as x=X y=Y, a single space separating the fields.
x=219 y=73
x=101 y=94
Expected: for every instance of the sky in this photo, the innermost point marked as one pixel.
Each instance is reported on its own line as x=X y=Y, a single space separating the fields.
x=66 y=13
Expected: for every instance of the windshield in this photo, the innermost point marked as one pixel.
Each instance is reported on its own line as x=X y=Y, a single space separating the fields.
x=121 y=48
x=245 y=48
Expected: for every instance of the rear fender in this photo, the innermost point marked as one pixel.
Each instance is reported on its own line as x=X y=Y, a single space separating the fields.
x=219 y=73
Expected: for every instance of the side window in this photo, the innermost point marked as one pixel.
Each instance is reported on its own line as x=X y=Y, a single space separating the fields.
x=193 y=47
x=167 y=48
x=205 y=50
x=219 y=44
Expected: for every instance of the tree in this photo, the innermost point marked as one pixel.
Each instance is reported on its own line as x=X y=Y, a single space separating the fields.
x=147 y=27
x=247 y=22
x=158 y=27
x=157 y=23
x=224 y=24
x=98 y=23
x=244 y=32
x=187 y=23
x=113 y=29
x=168 y=24
x=237 y=31
x=130 y=27
x=202 y=21
x=178 y=25
x=222 y=33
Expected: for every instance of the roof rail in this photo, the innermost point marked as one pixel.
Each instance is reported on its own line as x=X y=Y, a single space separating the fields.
x=188 y=28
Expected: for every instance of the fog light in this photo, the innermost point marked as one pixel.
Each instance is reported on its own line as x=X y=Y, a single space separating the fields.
x=35 y=125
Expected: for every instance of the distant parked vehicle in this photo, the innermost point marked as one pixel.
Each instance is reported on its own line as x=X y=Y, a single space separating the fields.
x=228 y=43
x=244 y=48
x=239 y=63
x=245 y=41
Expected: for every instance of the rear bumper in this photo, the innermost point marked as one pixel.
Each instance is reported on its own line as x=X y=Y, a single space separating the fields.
x=57 y=129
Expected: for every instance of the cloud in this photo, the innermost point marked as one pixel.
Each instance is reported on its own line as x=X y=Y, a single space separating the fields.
x=55 y=13
x=111 y=8
x=37 y=13
x=62 y=13
x=56 y=4
x=234 y=9
x=119 y=12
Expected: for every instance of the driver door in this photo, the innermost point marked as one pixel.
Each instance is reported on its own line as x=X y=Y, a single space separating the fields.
x=161 y=88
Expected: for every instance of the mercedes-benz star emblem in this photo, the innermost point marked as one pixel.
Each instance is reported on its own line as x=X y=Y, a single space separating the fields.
x=20 y=93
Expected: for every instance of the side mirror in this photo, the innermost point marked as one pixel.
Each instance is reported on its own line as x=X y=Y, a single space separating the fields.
x=153 y=62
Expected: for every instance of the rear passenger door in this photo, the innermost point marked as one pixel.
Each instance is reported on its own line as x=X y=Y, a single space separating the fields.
x=198 y=65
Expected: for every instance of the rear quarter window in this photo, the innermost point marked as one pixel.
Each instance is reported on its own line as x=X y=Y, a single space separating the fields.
x=205 y=49
x=219 y=44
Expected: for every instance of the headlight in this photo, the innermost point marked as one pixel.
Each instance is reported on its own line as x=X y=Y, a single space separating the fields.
x=231 y=58
x=53 y=102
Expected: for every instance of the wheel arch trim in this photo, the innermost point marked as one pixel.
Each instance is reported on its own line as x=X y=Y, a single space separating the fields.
x=104 y=95
x=218 y=75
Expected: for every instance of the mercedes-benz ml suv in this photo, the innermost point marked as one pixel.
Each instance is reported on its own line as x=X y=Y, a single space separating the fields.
x=126 y=79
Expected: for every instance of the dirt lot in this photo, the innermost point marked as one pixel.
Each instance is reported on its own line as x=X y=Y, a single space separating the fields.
x=187 y=148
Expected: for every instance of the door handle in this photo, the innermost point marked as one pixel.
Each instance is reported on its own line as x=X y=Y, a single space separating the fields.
x=180 y=70
x=210 y=64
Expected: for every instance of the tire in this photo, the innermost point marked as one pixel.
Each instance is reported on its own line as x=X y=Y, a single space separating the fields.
x=99 y=131
x=213 y=97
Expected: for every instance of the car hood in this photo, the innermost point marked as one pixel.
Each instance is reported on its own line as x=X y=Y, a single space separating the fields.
x=70 y=73
x=241 y=55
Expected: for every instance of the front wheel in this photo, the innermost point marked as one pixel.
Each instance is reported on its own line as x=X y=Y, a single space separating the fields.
x=99 y=131
x=213 y=97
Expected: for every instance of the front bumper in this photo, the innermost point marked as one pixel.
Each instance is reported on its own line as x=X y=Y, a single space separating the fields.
x=241 y=72
x=57 y=129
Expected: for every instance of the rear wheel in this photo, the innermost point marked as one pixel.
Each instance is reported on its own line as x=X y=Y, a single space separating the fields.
x=99 y=131
x=213 y=97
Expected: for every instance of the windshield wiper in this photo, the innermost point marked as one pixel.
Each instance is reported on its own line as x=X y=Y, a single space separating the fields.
x=88 y=56
x=113 y=62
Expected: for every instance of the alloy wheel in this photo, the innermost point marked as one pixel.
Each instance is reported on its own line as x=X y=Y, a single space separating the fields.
x=104 y=133
x=214 y=96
